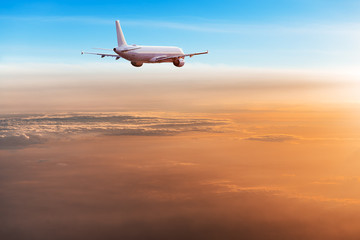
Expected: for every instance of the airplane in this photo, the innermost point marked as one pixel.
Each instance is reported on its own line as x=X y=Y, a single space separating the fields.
x=138 y=55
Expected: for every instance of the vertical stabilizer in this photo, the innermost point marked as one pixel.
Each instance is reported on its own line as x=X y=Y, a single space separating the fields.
x=120 y=35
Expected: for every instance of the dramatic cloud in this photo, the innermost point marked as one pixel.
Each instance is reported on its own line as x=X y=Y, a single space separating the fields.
x=23 y=130
x=177 y=176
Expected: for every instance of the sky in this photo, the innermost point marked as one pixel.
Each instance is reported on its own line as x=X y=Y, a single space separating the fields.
x=261 y=33
x=259 y=139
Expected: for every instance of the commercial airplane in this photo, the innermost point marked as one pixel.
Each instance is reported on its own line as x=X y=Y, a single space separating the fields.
x=138 y=55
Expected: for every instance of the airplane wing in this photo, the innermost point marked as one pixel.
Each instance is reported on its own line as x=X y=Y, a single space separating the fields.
x=103 y=55
x=162 y=58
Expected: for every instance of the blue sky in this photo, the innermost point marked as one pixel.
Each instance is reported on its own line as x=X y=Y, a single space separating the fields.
x=260 y=33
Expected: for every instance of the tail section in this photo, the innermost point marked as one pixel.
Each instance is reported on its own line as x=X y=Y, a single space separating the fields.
x=120 y=35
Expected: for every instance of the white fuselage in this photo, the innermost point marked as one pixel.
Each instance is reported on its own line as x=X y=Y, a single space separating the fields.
x=147 y=54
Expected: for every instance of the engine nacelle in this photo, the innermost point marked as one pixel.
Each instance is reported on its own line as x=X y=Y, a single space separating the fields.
x=179 y=62
x=137 y=64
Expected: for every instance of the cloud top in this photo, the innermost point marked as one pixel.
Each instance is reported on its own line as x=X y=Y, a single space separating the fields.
x=20 y=131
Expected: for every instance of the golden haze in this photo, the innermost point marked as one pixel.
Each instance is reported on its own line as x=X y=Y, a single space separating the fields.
x=239 y=156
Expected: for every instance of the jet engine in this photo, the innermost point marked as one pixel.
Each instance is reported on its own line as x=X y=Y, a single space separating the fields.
x=137 y=64
x=179 y=62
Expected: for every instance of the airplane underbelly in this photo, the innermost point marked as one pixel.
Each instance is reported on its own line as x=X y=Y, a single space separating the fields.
x=138 y=57
x=148 y=57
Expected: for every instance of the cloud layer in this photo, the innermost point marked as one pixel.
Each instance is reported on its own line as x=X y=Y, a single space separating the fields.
x=19 y=131
x=165 y=188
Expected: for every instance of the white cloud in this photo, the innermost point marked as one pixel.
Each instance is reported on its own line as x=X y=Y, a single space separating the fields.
x=27 y=129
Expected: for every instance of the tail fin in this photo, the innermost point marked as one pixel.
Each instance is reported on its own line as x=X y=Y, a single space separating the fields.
x=120 y=35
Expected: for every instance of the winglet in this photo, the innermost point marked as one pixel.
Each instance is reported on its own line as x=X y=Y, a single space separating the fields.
x=120 y=35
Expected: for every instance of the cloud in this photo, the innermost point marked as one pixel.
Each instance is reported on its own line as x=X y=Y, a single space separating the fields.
x=19 y=141
x=138 y=132
x=118 y=201
x=273 y=138
x=20 y=131
x=153 y=188
x=227 y=186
